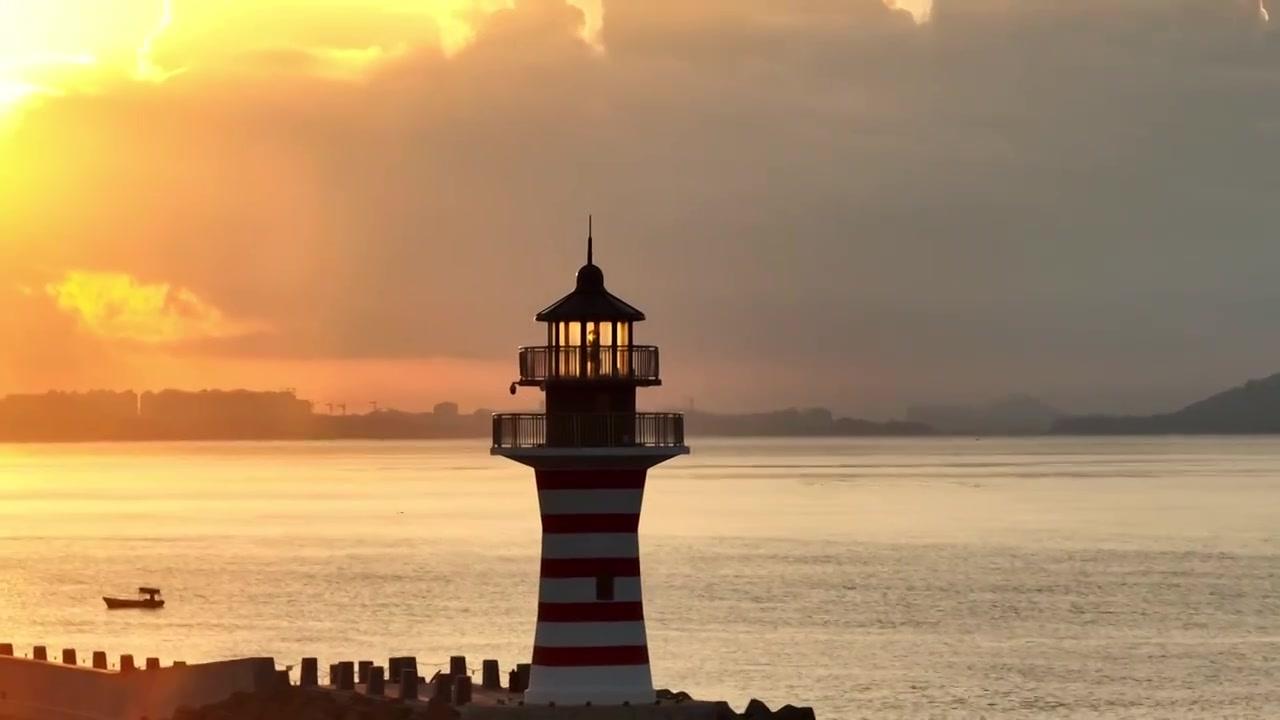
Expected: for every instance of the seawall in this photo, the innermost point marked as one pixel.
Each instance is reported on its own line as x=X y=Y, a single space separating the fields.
x=248 y=688
x=48 y=690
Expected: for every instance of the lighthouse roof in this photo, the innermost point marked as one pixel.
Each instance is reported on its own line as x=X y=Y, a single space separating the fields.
x=590 y=301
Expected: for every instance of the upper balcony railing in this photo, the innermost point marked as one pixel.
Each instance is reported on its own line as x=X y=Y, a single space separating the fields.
x=588 y=430
x=634 y=363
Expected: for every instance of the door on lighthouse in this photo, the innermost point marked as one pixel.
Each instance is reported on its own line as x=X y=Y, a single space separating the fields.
x=604 y=432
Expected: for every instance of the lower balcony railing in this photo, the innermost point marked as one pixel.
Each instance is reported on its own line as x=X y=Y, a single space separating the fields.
x=589 y=430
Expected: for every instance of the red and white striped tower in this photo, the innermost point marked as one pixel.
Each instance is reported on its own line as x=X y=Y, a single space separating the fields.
x=590 y=452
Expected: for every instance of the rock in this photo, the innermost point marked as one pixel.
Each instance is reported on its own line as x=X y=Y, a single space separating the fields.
x=294 y=703
x=791 y=712
x=757 y=710
x=440 y=711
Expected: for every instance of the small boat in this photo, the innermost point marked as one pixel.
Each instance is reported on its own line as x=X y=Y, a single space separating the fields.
x=148 y=599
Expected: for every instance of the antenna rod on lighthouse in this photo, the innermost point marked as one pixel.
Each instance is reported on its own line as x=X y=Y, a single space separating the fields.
x=589 y=240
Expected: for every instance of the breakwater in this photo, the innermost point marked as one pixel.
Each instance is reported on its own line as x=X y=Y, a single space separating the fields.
x=70 y=685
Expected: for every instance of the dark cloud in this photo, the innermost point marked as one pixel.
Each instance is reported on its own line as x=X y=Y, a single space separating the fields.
x=1066 y=198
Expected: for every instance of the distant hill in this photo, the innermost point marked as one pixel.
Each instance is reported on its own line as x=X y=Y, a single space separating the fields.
x=810 y=422
x=1249 y=409
x=228 y=415
x=1014 y=415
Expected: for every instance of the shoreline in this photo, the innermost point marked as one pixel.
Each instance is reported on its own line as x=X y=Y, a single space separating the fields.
x=711 y=436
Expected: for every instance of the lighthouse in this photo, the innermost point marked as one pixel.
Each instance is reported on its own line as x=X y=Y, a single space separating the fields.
x=590 y=452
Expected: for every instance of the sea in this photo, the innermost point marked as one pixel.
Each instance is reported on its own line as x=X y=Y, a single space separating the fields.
x=867 y=578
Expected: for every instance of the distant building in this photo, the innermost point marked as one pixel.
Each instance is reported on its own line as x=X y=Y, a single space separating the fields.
x=53 y=416
x=224 y=414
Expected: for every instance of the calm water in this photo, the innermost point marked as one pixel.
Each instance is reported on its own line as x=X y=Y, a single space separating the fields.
x=879 y=579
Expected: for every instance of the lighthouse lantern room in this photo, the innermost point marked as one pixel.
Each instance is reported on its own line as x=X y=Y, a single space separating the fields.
x=590 y=451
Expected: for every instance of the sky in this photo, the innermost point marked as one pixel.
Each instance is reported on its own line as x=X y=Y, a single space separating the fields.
x=818 y=202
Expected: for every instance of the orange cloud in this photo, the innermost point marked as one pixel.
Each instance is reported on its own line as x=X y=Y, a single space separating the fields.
x=146 y=68
x=152 y=40
x=118 y=306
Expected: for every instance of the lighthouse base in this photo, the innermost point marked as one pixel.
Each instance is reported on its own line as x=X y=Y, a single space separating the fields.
x=600 y=685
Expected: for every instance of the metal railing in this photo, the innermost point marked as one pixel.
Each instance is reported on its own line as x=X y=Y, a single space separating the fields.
x=588 y=362
x=589 y=430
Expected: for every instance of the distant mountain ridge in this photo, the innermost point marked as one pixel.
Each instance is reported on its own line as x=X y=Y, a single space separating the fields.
x=1014 y=415
x=808 y=422
x=1249 y=409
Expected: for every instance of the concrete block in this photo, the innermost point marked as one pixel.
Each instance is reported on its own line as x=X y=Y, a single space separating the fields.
x=442 y=688
x=458 y=665
x=408 y=684
x=346 y=676
x=462 y=690
x=310 y=672
x=490 y=675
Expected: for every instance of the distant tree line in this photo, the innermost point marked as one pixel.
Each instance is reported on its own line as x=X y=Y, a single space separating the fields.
x=101 y=415
x=281 y=415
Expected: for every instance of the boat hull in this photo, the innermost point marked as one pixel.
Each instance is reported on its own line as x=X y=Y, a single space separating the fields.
x=127 y=604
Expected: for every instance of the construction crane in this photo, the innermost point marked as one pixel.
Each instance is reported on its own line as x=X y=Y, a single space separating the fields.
x=330 y=406
x=342 y=407
x=374 y=403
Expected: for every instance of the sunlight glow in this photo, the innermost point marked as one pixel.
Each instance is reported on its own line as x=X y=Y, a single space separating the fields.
x=13 y=92
x=352 y=63
x=20 y=76
x=93 y=37
x=33 y=48
x=919 y=9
